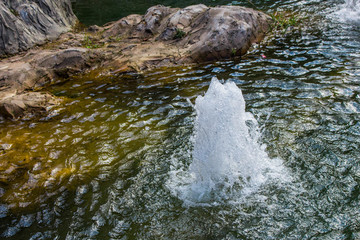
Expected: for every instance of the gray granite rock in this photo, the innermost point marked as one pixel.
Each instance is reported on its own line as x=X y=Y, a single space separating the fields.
x=25 y=23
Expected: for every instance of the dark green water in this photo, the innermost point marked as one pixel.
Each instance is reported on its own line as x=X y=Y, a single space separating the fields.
x=97 y=168
x=97 y=12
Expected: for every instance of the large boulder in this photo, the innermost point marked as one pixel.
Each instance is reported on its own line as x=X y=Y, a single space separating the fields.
x=25 y=23
x=197 y=33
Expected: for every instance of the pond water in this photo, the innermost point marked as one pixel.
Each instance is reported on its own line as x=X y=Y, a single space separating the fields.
x=99 y=12
x=119 y=159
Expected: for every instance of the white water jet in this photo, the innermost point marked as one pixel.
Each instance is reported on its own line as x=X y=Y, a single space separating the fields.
x=227 y=160
x=349 y=11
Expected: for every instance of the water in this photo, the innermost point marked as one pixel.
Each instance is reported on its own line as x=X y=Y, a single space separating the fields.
x=350 y=11
x=228 y=161
x=92 y=12
x=101 y=166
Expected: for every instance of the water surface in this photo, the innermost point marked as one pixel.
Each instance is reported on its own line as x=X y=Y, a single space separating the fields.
x=98 y=167
x=100 y=12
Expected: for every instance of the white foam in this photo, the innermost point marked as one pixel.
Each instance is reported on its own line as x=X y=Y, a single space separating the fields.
x=349 y=11
x=227 y=160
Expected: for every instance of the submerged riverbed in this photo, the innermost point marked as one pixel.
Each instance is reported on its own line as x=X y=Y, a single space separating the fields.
x=103 y=165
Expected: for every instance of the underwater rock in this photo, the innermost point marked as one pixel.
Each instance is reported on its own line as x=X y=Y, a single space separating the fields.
x=24 y=24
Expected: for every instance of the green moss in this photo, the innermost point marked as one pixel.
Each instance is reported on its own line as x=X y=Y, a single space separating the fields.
x=179 y=34
x=90 y=43
x=115 y=39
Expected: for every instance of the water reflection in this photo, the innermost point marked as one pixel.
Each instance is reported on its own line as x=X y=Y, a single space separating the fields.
x=96 y=168
x=97 y=12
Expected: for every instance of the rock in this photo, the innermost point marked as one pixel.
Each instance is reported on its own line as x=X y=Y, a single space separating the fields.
x=190 y=35
x=122 y=27
x=63 y=62
x=20 y=75
x=94 y=29
x=154 y=18
x=162 y=37
x=25 y=23
x=222 y=32
x=18 y=105
x=39 y=67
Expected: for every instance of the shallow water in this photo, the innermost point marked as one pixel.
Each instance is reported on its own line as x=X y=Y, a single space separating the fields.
x=99 y=167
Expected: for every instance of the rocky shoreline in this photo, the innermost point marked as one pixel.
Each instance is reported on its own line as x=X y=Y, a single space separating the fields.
x=162 y=37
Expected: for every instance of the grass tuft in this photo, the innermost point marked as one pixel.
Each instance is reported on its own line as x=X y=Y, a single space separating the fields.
x=179 y=34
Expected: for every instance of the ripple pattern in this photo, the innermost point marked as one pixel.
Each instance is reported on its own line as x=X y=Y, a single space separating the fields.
x=96 y=168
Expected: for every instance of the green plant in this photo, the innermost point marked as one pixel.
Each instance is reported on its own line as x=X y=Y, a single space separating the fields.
x=89 y=43
x=233 y=52
x=115 y=39
x=13 y=11
x=284 y=20
x=179 y=34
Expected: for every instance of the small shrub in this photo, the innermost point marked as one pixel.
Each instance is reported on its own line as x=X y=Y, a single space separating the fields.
x=89 y=43
x=284 y=20
x=179 y=34
x=13 y=11
x=115 y=39
x=233 y=52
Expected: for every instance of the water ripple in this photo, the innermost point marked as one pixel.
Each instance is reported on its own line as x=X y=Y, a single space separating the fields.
x=96 y=167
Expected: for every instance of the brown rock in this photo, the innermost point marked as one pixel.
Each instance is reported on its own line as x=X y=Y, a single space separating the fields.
x=190 y=35
x=41 y=66
x=122 y=27
x=223 y=32
x=17 y=105
x=32 y=71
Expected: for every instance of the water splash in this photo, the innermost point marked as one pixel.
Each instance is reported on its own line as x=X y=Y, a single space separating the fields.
x=227 y=160
x=349 y=11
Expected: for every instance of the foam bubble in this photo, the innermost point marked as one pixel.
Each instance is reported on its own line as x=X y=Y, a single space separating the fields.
x=349 y=11
x=227 y=159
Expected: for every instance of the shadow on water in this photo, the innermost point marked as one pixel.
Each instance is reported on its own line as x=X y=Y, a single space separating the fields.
x=92 y=12
x=97 y=12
